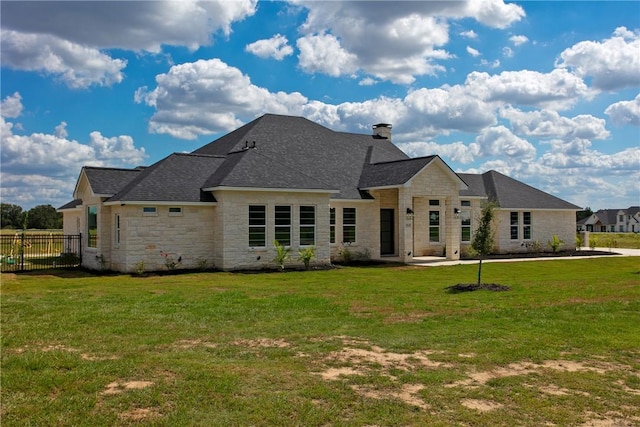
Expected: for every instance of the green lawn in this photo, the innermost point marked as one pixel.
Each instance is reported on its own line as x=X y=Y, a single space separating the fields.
x=617 y=240
x=376 y=346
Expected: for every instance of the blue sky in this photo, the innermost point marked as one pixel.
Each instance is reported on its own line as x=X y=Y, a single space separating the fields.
x=545 y=92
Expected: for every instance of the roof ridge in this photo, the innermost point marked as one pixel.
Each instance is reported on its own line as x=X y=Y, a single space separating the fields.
x=405 y=160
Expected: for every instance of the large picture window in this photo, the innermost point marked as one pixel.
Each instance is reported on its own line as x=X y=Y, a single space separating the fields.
x=283 y=225
x=257 y=226
x=348 y=225
x=307 y=225
x=92 y=226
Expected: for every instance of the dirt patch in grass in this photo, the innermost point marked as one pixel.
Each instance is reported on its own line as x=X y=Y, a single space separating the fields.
x=470 y=287
x=481 y=405
x=262 y=343
x=120 y=387
x=139 y=414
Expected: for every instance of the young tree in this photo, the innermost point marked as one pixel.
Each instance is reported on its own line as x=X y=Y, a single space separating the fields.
x=482 y=242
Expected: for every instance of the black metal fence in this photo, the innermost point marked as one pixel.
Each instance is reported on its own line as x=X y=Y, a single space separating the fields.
x=30 y=251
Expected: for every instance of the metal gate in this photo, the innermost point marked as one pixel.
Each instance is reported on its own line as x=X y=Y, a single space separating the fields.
x=25 y=251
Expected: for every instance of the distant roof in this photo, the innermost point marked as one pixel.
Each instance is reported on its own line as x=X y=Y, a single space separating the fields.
x=509 y=193
x=608 y=216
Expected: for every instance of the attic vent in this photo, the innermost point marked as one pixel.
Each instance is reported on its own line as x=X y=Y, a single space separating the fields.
x=248 y=145
x=382 y=130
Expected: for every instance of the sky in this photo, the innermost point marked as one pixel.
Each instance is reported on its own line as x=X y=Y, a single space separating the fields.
x=547 y=92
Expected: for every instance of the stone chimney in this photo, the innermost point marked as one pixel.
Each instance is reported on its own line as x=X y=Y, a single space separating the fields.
x=382 y=130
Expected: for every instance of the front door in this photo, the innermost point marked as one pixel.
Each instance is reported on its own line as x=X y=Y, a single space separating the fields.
x=387 y=236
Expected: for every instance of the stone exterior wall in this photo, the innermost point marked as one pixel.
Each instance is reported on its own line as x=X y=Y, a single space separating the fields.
x=232 y=251
x=152 y=241
x=544 y=224
x=367 y=244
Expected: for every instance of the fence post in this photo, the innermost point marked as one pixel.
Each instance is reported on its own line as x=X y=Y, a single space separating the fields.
x=22 y=251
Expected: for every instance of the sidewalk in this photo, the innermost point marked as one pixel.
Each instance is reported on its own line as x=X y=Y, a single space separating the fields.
x=433 y=261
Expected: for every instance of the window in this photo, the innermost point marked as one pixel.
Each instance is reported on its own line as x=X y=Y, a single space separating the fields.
x=526 y=225
x=92 y=226
x=307 y=225
x=149 y=211
x=175 y=211
x=283 y=225
x=621 y=218
x=434 y=202
x=465 y=217
x=257 y=226
x=117 y=227
x=348 y=225
x=434 y=226
x=332 y=225
x=466 y=203
x=514 y=226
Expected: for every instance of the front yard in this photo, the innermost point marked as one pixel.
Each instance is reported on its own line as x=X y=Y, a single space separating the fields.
x=350 y=346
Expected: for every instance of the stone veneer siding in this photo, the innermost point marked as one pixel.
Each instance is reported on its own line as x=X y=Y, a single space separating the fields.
x=544 y=224
x=231 y=228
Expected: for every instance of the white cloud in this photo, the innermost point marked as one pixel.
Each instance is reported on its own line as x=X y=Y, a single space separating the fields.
x=11 y=106
x=518 y=40
x=323 y=53
x=65 y=39
x=499 y=141
x=456 y=151
x=42 y=166
x=613 y=63
x=76 y=65
x=469 y=34
x=138 y=26
x=493 y=64
x=276 y=47
x=556 y=90
x=209 y=96
x=507 y=52
x=550 y=124
x=473 y=52
x=394 y=41
x=625 y=112
x=367 y=81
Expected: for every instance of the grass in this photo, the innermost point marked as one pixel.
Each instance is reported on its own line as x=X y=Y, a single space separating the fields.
x=617 y=240
x=350 y=346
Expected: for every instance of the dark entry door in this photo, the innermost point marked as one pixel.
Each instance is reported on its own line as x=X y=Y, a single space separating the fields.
x=386 y=232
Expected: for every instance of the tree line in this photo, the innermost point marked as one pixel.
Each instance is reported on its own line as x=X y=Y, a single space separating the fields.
x=43 y=217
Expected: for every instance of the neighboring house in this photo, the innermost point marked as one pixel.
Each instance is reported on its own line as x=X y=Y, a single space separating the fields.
x=612 y=221
x=289 y=179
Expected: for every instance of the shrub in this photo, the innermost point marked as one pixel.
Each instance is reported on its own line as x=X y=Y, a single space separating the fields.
x=282 y=254
x=555 y=243
x=306 y=255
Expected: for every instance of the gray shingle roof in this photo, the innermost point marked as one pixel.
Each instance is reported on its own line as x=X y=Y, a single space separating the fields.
x=302 y=153
x=608 y=216
x=109 y=181
x=285 y=152
x=392 y=173
x=509 y=193
x=71 y=205
x=176 y=178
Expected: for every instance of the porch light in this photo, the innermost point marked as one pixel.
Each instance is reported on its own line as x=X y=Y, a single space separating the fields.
x=409 y=214
x=456 y=213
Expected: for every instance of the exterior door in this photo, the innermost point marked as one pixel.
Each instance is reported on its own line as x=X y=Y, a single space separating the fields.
x=387 y=236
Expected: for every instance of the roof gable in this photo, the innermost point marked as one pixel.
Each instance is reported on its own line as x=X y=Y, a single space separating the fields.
x=106 y=181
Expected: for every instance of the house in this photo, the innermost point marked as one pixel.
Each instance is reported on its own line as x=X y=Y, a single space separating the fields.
x=612 y=221
x=288 y=179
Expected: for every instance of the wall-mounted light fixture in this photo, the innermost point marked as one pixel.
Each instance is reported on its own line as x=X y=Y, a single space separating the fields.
x=409 y=214
x=456 y=213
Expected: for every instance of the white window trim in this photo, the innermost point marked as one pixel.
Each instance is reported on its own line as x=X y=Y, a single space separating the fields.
x=149 y=213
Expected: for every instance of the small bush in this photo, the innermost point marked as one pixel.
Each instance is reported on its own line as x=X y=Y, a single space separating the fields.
x=306 y=255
